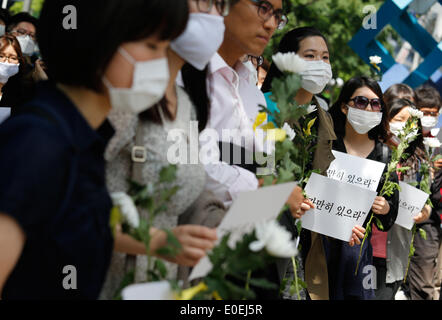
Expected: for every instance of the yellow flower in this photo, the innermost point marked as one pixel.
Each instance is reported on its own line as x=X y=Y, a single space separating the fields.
x=188 y=294
x=260 y=119
x=217 y=296
x=115 y=218
x=308 y=131
x=276 y=135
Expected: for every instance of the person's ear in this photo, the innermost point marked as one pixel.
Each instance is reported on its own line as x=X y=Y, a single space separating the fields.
x=344 y=108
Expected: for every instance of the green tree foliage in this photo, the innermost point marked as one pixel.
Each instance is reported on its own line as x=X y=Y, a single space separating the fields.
x=35 y=7
x=338 y=20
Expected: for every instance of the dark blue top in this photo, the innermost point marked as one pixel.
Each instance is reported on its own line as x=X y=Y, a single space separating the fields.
x=52 y=182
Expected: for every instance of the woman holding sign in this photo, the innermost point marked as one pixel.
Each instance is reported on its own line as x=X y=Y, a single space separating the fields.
x=361 y=125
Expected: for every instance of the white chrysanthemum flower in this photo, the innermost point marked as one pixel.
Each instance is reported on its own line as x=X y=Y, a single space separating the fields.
x=415 y=113
x=127 y=208
x=332 y=82
x=289 y=62
x=290 y=132
x=339 y=82
x=375 y=60
x=432 y=142
x=275 y=239
x=311 y=108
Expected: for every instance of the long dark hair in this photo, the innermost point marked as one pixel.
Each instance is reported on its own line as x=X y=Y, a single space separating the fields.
x=380 y=132
x=399 y=91
x=290 y=43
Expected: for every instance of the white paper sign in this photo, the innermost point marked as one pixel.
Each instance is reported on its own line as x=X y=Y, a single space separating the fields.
x=354 y=170
x=411 y=203
x=339 y=207
x=4 y=114
x=148 y=291
x=247 y=210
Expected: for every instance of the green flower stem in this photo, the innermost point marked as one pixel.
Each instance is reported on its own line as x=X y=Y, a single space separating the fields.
x=147 y=241
x=247 y=287
x=295 y=272
x=409 y=253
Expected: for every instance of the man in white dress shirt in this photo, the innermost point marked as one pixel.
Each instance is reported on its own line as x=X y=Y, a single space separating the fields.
x=234 y=99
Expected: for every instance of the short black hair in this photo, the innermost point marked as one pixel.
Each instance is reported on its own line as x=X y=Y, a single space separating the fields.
x=428 y=97
x=21 y=17
x=380 y=132
x=80 y=56
x=400 y=90
x=5 y=16
x=290 y=43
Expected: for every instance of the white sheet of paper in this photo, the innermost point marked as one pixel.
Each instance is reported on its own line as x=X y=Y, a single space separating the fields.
x=148 y=291
x=411 y=202
x=4 y=114
x=339 y=207
x=354 y=170
x=247 y=210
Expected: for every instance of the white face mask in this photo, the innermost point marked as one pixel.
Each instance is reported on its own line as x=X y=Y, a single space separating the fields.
x=7 y=70
x=363 y=121
x=428 y=123
x=27 y=45
x=149 y=84
x=2 y=30
x=202 y=38
x=397 y=127
x=316 y=77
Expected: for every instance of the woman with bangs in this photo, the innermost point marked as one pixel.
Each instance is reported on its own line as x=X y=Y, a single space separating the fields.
x=361 y=126
x=54 y=204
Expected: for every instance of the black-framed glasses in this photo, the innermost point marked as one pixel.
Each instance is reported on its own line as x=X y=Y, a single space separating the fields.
x=266 y=11
x=223 y=6
x=257 y=61
x=362 y=103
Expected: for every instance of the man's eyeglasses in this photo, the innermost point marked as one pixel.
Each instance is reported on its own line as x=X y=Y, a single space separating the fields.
x=266 y=11
x=362 y=103
x=23 y=32
x=223 y=6
x=430 y=114
x=10 y=59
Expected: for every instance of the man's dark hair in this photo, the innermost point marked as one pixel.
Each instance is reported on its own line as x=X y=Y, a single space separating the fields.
x=380 y=132
x=5 y=16
x=80 y=56
x=428 y=97
x=21 y=17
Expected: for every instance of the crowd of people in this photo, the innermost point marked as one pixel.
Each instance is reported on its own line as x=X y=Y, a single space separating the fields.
x=91 y=108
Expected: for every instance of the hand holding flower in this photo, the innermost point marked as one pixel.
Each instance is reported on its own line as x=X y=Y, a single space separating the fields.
x=357 y=235
x=380 y=206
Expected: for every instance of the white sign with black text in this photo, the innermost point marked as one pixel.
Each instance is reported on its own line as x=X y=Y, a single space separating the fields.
x=339 y=206
x=411 y=202
x=354 y=170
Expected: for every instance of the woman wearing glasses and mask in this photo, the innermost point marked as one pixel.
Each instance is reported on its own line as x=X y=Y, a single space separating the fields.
x=361 y=126
x=11 y=60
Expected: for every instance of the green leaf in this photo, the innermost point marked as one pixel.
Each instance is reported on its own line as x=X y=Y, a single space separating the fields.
x=262 y=283
x=168 y=174
x=422 y=233
x=128 y=279
x=379 y=224
x=161 y=268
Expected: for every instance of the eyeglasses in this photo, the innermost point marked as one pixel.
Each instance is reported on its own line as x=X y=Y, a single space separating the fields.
x=430 y=114
x=257 y=61
x=266 y=11
x=10 y=59
x=23 y=32
x=361 y=102
x=223 y=6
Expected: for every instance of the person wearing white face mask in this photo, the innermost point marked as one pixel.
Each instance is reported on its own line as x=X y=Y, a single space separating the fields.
x=311 y=45
x=156 y=131
x=361 y=125
x=10 y=62
x=53 y=148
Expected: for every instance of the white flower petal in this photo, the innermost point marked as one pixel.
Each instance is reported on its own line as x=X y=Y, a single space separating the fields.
x=289 y=62
x=311 y=108
x=290 y=132
x=277 y=240
x=127 y=208
x=375 y=60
